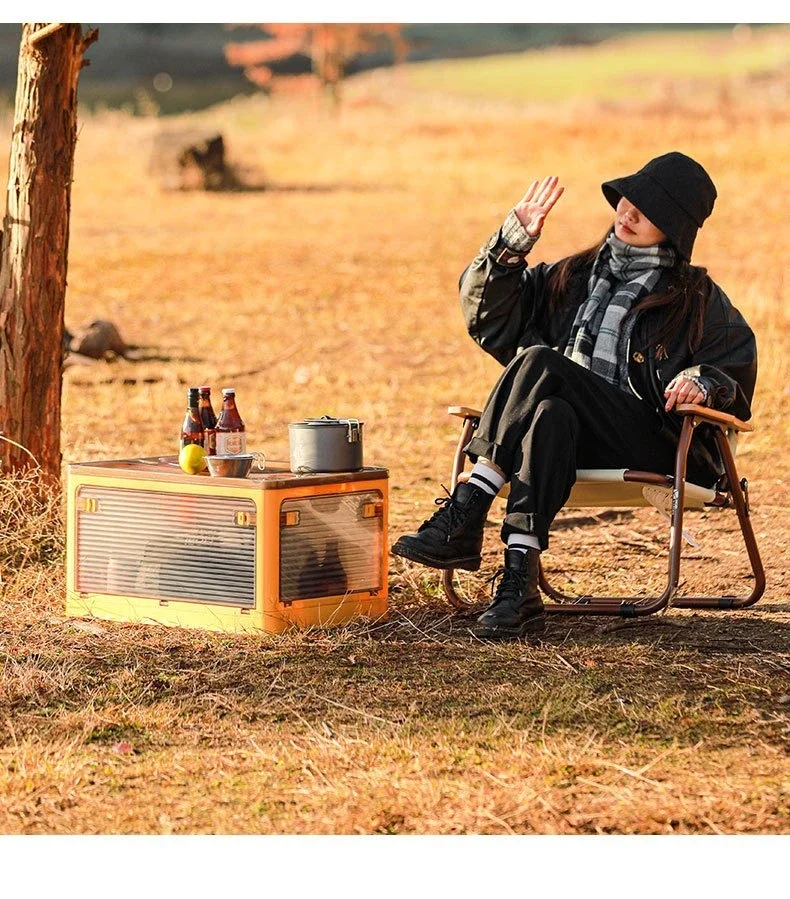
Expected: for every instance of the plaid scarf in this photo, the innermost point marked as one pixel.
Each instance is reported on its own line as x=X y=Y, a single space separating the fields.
x=621 y=275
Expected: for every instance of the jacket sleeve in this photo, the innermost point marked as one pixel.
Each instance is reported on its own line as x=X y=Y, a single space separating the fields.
x=501 y=298
x=726 y=361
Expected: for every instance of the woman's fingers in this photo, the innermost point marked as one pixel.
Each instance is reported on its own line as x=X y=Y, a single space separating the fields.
x=556 y=194
x=545 y=189
x=682 y=391
x=537 y=202
x=543 y=192
x=672 y=393
x=530 y=192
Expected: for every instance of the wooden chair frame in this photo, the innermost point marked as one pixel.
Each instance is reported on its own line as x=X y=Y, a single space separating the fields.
x=730 y=492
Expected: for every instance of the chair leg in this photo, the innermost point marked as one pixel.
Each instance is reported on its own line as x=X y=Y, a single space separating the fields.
x=637 y=606
x=450 y=593
x=742 y=509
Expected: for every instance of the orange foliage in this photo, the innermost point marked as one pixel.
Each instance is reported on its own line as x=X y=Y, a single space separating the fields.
x=331 y=47
x=254 y=53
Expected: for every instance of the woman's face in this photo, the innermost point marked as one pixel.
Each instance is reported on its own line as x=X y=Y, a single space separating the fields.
x=633 y=228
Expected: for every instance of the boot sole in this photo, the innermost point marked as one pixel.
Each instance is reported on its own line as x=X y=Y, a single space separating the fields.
x=467 y=563
x=534 y=625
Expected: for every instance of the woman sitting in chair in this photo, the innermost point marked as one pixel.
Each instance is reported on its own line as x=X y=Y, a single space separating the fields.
x=599 y=348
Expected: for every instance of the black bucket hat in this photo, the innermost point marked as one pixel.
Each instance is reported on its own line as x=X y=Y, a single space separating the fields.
x=674 y=192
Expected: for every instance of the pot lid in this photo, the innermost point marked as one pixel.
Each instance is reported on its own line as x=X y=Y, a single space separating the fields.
x=328 y=420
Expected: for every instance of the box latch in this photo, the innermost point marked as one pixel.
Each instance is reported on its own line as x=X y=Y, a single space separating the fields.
x=372 y=510
x=244 y=519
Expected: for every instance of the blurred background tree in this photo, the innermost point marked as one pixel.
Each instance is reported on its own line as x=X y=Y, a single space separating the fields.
x=330 y=48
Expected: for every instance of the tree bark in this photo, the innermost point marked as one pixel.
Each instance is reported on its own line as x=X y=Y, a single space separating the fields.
x=35 y=237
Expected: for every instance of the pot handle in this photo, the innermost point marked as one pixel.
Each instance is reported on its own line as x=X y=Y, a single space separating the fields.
x=353 y=430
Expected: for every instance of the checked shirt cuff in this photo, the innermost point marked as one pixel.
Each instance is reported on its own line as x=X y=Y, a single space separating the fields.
x=515 y=235
x=510 y=245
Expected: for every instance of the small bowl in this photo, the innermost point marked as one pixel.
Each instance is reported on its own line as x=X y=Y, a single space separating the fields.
x=230 y=466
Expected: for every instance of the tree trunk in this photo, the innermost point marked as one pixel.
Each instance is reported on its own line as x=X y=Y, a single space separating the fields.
x=35 y=241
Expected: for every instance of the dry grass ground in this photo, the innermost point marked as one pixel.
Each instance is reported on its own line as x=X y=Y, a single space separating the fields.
x=334 y=291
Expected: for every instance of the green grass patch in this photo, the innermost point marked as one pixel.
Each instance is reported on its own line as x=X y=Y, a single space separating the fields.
x=619 y=68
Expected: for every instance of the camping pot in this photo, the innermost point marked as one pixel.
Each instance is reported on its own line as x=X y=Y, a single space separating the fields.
x=325 y=444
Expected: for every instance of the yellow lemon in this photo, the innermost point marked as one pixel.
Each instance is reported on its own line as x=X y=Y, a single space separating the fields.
x=192 y=458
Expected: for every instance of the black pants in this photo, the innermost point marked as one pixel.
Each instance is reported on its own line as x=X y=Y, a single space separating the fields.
x=548 y=416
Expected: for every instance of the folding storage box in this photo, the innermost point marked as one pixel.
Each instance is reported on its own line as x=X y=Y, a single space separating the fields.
x=148 y=543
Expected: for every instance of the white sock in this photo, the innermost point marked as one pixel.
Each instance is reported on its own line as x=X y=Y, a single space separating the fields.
x=522 y=542
x=486 y=478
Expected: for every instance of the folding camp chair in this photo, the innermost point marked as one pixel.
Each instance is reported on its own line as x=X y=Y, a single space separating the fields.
x=618 y=488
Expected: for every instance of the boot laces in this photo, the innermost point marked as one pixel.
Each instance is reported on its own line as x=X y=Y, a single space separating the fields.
x=510 y=587
x=448 y=517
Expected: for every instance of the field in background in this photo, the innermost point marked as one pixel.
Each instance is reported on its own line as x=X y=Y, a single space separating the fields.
x=127 y=57
x=333 y=289
x=641 y=67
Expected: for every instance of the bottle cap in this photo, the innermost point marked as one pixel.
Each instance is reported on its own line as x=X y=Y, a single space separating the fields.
x=206 y=388
x=228 y=390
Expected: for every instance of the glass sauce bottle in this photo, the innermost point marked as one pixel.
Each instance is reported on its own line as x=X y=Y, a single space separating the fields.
x=209 y=422
x=192 y=428
x=231 y=436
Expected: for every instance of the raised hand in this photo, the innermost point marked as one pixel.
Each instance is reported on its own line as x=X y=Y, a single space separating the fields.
x=537 y=203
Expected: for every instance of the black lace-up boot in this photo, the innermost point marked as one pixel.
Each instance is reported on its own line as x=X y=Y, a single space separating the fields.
x=453 y=536
x=517 y=609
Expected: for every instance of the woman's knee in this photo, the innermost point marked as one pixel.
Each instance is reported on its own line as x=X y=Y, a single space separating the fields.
x=539 y=357
x=533 y=368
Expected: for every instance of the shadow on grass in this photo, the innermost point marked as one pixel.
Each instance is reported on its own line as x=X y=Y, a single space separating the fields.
x=681 y=678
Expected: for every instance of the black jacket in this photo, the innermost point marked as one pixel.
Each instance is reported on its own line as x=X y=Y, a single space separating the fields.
x=505 y=307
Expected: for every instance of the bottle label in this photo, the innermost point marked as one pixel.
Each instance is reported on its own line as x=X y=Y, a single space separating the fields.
x=231 y=443
x=210 y=442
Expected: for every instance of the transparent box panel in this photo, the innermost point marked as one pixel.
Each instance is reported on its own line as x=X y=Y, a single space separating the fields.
x=331 y=545
x=165 y=545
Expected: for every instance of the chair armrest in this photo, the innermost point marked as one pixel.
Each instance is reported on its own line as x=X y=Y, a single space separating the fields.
x=712 y=415
x=464 y=411
x=722 y=419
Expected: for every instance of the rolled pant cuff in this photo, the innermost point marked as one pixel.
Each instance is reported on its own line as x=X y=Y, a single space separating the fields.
x=495 y=453
x=527 y=523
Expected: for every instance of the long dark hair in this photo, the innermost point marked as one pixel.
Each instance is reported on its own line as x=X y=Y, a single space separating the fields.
x=685 y=297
